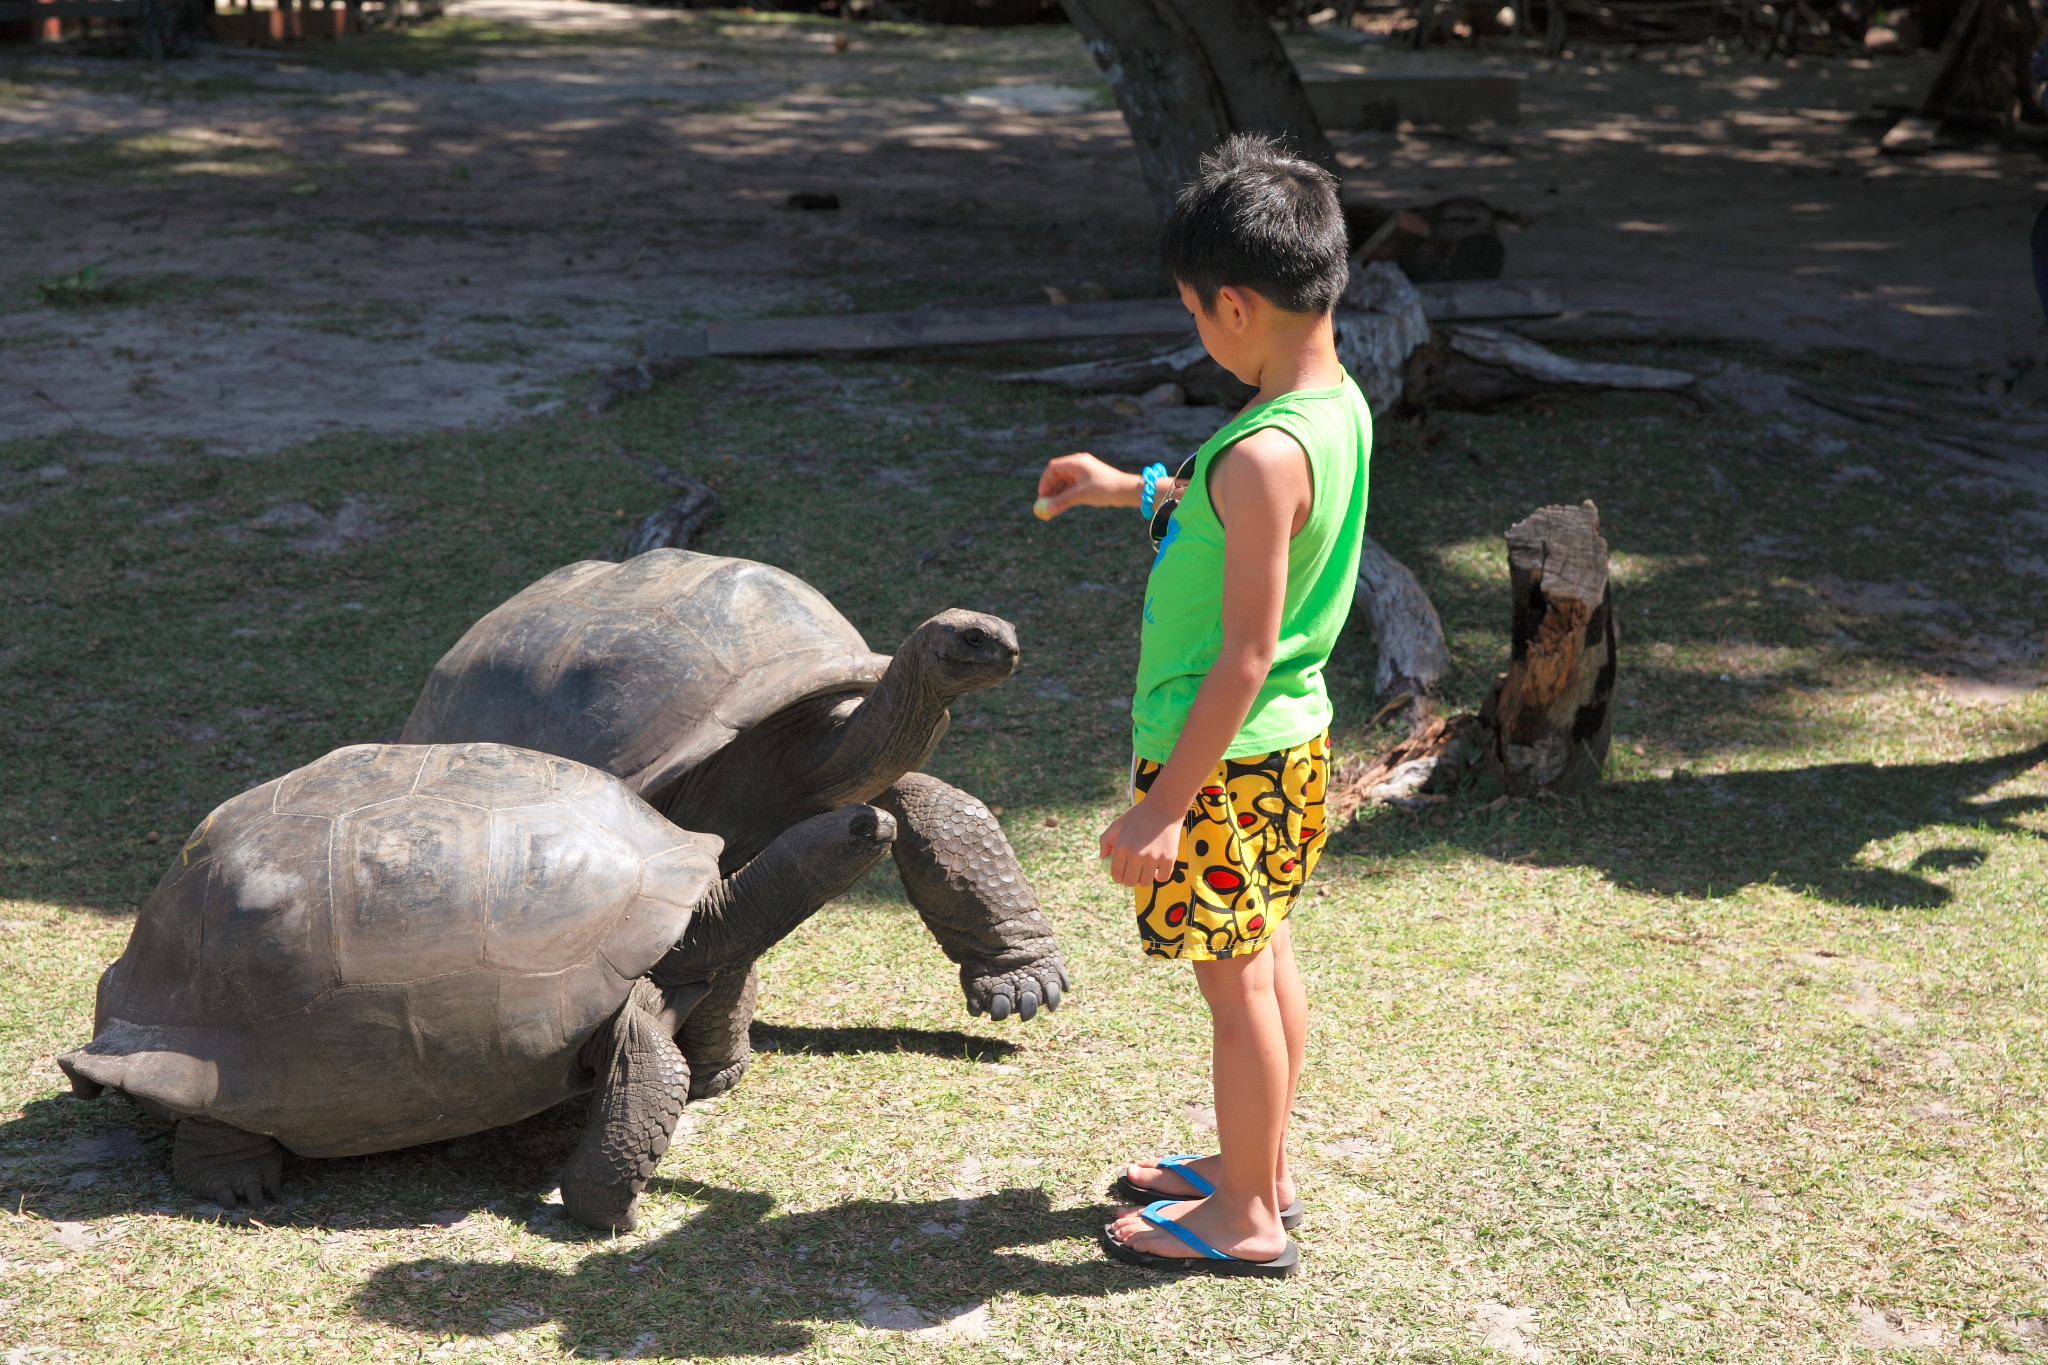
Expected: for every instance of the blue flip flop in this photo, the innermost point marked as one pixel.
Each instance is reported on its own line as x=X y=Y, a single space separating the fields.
x=1210 y=1262
x=1131 y=1192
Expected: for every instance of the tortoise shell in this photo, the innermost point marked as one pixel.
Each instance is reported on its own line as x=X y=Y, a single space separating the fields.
x=643 y=669
x=392 y=945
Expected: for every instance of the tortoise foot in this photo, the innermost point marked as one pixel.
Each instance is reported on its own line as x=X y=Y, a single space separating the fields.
x=716 y=1039
x=718 y=1082
x=1022 y=991
x=604 y=1205
x=219 y=1162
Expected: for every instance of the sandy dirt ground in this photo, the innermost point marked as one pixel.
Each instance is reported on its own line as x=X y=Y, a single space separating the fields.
x=368 y=236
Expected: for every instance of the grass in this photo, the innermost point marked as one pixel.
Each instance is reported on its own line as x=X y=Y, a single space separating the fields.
x=154 y=159
x=87 y=288
x=1735 y=1059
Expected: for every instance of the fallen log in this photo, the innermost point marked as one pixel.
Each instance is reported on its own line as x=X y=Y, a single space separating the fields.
x=1486 y=301
x=1379 y=321
x=1188 y=366
x=1406 y=631
x=1547 y=723
x=1476 y=367
x=693 y=507
x=839 y=332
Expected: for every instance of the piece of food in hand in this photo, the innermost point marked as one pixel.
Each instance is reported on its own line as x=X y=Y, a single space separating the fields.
x=1043 y=509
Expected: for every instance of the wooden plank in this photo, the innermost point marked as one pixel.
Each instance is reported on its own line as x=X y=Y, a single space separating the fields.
x=1352 y=102
x=1459 y=301
x=15 y=11
x=947 y=327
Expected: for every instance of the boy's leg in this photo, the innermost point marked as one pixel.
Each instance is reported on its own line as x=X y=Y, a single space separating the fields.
x=1253 y=1080
x=1292 y=999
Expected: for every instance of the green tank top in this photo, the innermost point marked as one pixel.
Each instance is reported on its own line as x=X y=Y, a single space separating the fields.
x=1183 y=631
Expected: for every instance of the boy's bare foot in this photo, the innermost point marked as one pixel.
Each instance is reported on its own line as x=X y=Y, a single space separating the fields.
x=1238 y=1237
x=1156 y=1179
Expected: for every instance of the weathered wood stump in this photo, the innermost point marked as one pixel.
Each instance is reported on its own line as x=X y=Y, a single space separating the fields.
x=1546 y=724
x=1552 y=713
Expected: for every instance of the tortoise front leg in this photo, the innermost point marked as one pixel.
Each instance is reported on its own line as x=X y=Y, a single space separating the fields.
x=642 y=1082
x=716 y=1034
x=221 y=1162
x=964 y=880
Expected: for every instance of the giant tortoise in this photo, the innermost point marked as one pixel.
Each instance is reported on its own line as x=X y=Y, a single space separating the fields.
x=735 y=699
x=399 y=944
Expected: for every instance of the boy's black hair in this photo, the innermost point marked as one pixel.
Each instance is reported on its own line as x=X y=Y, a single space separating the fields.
x=1261 y=218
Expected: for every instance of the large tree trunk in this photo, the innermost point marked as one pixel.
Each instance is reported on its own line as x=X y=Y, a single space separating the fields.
x=1981 y=74
x=1188 y=73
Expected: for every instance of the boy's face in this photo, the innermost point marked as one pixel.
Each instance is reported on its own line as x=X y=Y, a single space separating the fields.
x=1231 y=330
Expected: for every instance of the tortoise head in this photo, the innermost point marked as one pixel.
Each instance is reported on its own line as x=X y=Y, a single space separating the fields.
x=958 y=651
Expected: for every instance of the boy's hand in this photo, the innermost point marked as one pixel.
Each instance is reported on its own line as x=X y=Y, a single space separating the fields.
x=1143 y=843
x=1081 y=480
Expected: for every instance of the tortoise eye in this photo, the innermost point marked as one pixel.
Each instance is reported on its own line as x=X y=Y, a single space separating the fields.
x=975 y=636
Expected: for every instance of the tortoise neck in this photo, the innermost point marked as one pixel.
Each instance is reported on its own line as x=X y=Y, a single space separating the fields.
x=721 y=935
x=888 y=735
x=746 y=914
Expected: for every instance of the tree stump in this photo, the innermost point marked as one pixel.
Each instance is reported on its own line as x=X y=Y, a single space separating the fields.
x=1552 y=712
x=1547 y=722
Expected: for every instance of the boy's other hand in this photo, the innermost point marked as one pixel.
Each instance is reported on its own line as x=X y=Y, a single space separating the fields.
x=1081 y=480
x=1143 y=844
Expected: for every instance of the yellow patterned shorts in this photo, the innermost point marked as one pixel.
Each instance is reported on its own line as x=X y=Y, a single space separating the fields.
x=1247 y=846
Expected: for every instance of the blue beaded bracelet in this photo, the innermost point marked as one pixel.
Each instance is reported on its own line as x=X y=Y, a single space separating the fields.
x=1153 y=474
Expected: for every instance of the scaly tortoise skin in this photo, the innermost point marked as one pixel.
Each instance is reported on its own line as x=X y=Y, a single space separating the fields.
x=736 y=699
x=401 y=944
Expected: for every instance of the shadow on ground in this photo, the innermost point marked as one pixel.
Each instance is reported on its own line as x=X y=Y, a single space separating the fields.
x=733 y=1281
x=844 y=1042
x=1702 y=837
x=89 y=1160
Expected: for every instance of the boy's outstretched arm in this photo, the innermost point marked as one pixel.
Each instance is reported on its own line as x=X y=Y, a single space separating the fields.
x=1262 y=491
x=1084 y=481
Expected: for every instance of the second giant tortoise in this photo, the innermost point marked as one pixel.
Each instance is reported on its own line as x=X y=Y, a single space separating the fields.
x=396 y=945
x=735 y=699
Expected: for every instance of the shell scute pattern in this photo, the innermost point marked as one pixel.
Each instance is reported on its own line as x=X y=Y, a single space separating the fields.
x=643 y=669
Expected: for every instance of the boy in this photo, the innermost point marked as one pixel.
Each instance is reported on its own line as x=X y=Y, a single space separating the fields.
x=1252 y=582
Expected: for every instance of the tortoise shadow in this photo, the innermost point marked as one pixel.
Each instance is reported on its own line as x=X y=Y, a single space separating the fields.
x=732 y=1281
x=1802 y=828
x=86 y=1161
x=854 y=1040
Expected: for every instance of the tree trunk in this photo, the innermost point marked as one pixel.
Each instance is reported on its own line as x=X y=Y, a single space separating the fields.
x=1188 y=73
x=1981 y=74
x=1553 y=710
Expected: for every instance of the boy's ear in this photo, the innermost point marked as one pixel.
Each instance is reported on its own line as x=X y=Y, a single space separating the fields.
x=1234 y=306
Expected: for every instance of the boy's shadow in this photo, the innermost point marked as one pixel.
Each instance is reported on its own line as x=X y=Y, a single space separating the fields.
x=733 y=1281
